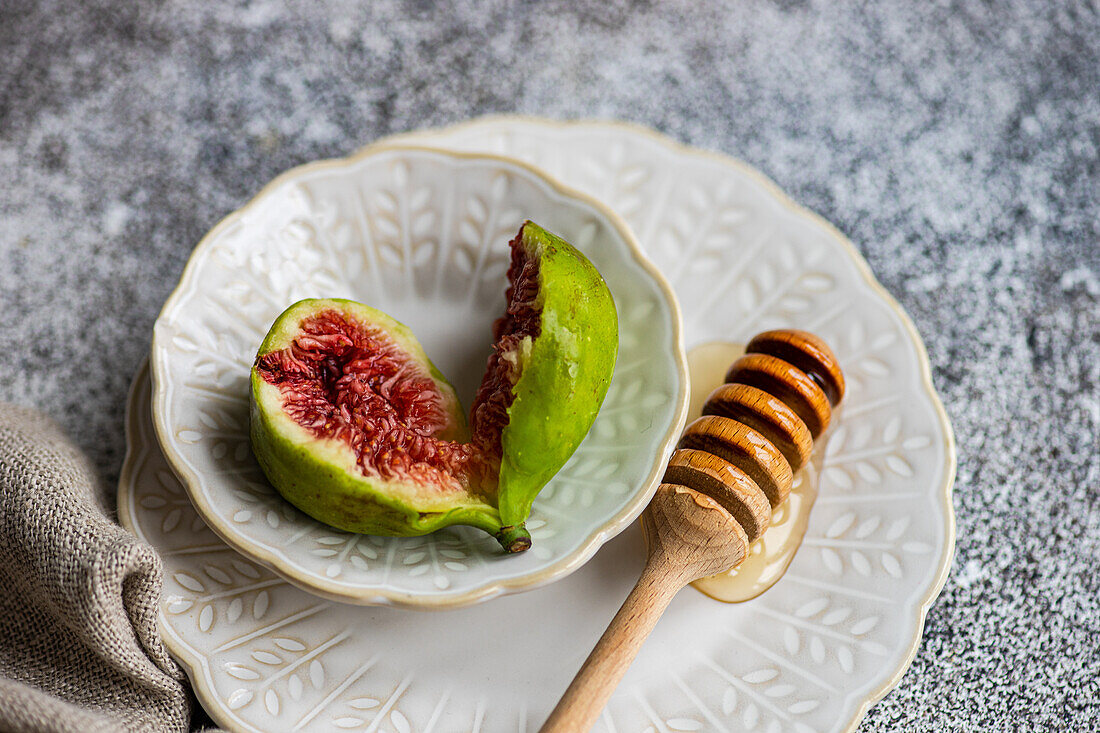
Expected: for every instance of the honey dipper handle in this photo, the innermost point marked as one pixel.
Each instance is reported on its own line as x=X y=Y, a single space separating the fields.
x=581 y=704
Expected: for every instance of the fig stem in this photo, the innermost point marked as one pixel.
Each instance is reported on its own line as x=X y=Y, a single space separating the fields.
x=514 y=538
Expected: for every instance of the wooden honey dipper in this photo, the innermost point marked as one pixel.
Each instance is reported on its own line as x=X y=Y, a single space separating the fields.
x=732 y=467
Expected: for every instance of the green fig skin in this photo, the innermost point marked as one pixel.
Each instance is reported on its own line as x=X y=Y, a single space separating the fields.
x=564 y=375
x=318 y=475
x=341 y=499
x=565 y=372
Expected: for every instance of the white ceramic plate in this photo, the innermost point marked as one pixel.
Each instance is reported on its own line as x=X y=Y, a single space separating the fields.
x=423 y=236
x=833 y=636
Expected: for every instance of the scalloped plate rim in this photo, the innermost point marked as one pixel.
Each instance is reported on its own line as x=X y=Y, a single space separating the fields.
x=950 y=456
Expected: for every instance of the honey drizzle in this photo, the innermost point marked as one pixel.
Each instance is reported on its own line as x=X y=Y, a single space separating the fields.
x=772 y=553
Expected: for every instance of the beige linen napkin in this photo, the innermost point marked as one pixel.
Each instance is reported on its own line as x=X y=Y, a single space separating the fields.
x=79 y=648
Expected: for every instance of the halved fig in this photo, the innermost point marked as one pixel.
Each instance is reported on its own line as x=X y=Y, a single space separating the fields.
x=353 y=424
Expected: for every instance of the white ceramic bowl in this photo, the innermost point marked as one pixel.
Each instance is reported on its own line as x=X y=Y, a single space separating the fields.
x=422 y=235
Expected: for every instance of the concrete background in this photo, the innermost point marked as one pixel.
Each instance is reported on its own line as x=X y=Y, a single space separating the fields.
x=955 y=143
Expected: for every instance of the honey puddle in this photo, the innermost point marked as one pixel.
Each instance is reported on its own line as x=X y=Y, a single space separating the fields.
x=770 y=555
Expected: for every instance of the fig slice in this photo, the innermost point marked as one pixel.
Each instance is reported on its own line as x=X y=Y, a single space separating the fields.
x=353 y=424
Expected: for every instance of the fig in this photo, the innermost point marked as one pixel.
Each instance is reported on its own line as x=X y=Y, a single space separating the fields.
x=353 y=424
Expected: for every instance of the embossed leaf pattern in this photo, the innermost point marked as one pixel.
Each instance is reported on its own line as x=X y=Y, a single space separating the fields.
x=868 y=452
x=758 y=698
x=868 y=543
x=284 y=669
x=620 y=183
x=477 y=256
x=822 y=640
x=700 y=223
x=171 y=505
x=223 y=589
x=867 y=355
x=398 y=241
x=830 y=633
x=403 y=222
x=439 y=557
x=222 y=428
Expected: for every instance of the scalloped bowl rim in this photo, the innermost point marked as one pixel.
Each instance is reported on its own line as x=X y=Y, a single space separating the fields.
x=378 y=595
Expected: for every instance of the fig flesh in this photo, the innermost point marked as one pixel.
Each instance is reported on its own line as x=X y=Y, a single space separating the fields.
x=354 y=425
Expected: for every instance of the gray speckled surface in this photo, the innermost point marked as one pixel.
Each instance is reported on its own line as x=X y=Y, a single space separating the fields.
x=957 y=144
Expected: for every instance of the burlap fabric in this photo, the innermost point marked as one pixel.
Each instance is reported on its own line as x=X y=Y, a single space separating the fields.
x=79 y=649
